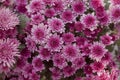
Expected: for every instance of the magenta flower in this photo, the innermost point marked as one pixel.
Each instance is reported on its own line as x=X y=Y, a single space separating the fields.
x=95 y=3
x=115 y=13
x=59 y=61
x=30 y=43
x=44 y=54
x=115 y=2
x=68 y=38
x=97 y=66
x=39 y=33
x=34 y=76
x=88 y=69
x=37 y=18
x=56 y=25
x=97 y=51
x=58 y=5
x=35 y=6
x=79 y=26
x=68 y=71
x=8 y=51
x=71 y=52
x=67 y=16
x=54 y=43
x=56 y=73
x=78 y=7
x=49 y=12
x=89 y=21
x=78 y=63
x=8 y=20
x=37 y=64
x=106 y=58
x=106 y=39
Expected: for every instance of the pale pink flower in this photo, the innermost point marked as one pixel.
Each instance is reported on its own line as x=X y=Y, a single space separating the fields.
x=8 y=19
x=8 y=51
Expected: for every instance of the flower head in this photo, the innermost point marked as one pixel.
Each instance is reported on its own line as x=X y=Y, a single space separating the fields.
x=39 y=33
x=59 y=61
x=8 y=51
x=78 y=7
x=56 y=25
x=8 y=20
x=97 y=51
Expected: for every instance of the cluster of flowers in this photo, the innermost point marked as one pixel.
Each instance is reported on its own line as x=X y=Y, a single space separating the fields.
x=62 y=39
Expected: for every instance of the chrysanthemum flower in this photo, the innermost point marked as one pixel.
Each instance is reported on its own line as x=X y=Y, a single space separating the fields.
x=54 y=43
x=30 y=43
x=115 y=2
x=44 y=54
x=49 y=12
x=37 y=64
x=37 y=18
x=68 y=71
x=79 y=26
x=35 y=6
x=8 y=51
x=59 y=61
x=56 y=73
x=97 y=51
x=106 y=58
x=78 y=7
x=71 y=52
x=96 y=3
x=106 y=39
x=68 y=37
x=67 y=16
x=58 y=5
x=39 y=33
x=97 y=66
x=56 y=25
x=88 y=69
x=115 y=13
x=89 y=21
x=78 y=63
x=8 y=20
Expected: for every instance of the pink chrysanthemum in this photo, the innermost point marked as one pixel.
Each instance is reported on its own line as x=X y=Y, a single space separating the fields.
x=68 y=71
x=49 y=12
x=78 y=7
x=8 y=51
x=115 y=2
x=88 y=69
x=39 y=33
x=79 y=26
x=89 y=21
x=115 y=13
x=37 y=18
x=35 y=6
x=106 y=58
x=54 y=43
x=56 y=25
x=59 y=61
x=34 y=76
x=56 y=73
x=58 y=5
x=68 y=37
x=30 y=43
x=97 y=66
x=71 y=52
x=106 y=39
x=81 y=41
x=97 y=51
x=8 y=20
x=44 y=54
x=96 y=3
x=78 y=63
x=37 y=64
x=67 y=16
